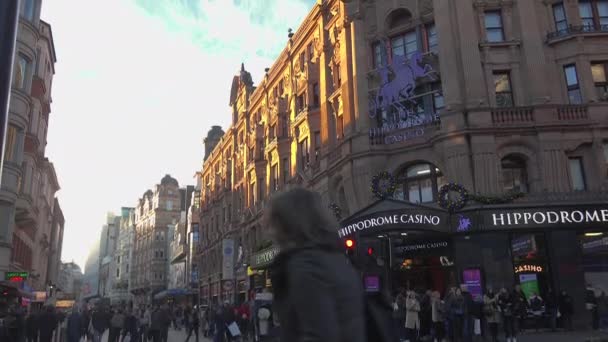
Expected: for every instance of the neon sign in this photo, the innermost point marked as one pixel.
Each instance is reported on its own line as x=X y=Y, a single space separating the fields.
x=396 y=98
x=528 y=268
x=16 y=277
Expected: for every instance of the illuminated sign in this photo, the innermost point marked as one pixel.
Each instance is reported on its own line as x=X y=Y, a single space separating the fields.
x=16 y=276
x=528 y=269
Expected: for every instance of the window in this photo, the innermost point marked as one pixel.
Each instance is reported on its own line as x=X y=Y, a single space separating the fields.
x=118 y=273
x=379 y=55
x=599 y=71
x=118 y=259
x=594 y=14
x=14 y=137
x=274 y=178
x=21 y=72
x=493 y=23
x=251 y=153
x=301 y=102
x=310 y=51
x=405 y=44
x=286 y=170
x=315 y=94
x=28 y=10
x=272 y=132
x=585 y=10
x=438 y=101
x=420 y=183
x=317 y=136
x=431 y=38
x=577 y=175
x=574 y=91
x=502 y=87
x=127 y=268
x=514 y=174
x=169 y=205
x=559 y=17
x=304 y=153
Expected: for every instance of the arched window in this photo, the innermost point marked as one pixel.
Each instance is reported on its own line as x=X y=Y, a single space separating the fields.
x=419 y=183
x=398 y=18
x=514 y=174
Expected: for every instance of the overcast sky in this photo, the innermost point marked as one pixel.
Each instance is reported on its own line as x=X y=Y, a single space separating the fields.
x=138 y=83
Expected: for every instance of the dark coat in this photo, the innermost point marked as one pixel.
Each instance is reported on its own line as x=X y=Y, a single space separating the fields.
x=31 y=325
x=74 y=328
x=318 y=297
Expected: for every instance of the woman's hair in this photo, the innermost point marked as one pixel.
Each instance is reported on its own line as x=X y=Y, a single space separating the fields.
x=298 y=217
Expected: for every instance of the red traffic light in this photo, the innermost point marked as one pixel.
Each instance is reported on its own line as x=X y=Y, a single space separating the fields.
x=370 y=251
x=350 y=243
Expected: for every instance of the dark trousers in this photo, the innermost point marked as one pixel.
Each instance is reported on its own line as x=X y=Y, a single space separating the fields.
x=190 y=330
x=114 y=334
x=46 y=337
x=493 y=331
x=439 y=330
x=509 y=326
x=155 y=335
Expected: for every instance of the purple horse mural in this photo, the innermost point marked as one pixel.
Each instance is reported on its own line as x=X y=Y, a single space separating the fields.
x=394 y=91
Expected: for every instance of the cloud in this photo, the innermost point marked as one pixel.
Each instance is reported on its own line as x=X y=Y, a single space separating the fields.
x=138 y=84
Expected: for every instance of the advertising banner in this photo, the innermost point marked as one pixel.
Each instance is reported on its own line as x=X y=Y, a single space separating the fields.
x=529 y=284
x=472 y=279
x=227 y=259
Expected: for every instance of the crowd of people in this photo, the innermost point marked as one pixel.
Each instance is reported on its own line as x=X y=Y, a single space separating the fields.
x=459 y=317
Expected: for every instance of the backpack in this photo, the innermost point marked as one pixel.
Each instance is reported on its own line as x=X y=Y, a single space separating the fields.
x=378 y=319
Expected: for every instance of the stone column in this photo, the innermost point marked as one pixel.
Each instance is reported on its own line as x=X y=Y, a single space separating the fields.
x=449 y=62
x=486 y=165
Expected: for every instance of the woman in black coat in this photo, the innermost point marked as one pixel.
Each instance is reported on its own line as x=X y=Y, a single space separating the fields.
x=318 y=294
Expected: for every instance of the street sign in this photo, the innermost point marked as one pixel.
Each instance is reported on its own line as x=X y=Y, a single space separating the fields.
x=16 y=277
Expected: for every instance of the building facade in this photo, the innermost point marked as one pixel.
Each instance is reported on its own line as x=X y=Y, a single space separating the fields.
x=69 y=280
x=90 y=280
x=120 y=266
x=108 y=244
x=156 y=214
x=498 y=97
x=28 y=233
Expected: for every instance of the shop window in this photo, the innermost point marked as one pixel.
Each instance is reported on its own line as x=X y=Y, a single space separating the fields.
x=559 y=17
x=577 y=174
x=573 y=87
x=494 y=28
x=514 y=174
x=421 y=183
x=530 y=263
x=594 y=247
x=599 y=72
x=503 y=89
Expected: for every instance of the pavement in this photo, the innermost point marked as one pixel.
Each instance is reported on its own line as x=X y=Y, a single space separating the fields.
x=174 y=336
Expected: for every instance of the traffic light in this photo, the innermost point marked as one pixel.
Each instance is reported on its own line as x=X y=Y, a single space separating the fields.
x=350 y=247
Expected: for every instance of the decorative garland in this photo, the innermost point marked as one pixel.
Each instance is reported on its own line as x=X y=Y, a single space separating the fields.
x=446 y=203
x=383 y=185
x=464 y=196
x=335 y=209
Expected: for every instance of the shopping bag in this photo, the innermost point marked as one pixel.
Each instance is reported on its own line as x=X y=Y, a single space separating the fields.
x=477 y=327
x=234 y=330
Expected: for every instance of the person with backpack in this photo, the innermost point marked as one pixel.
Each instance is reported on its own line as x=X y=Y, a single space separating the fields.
x=312 y=257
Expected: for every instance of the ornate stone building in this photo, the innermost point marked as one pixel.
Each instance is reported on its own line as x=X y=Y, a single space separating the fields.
x=31 y=221
x=506 y=96
x=156 y=214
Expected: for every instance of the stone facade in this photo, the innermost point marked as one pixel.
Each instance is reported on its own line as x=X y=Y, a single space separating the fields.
x=518 y=92
x=156 y=214
x=29 y=182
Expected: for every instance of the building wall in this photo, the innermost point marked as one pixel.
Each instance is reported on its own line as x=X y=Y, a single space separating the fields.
x=280 y=131
x=120 y=266
x=29 y=181
x=155 y=213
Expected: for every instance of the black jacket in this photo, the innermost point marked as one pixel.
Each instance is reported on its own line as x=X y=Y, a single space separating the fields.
x=318 y=297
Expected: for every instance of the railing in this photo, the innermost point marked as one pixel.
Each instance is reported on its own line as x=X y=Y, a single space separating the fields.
x=512 y=115
x=572 y=112
x=579 y=29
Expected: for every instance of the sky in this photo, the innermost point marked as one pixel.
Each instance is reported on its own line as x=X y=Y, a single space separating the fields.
x=137 y=86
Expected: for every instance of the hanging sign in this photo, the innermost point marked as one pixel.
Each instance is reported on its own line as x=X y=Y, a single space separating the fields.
x=528 y=269
x=16 y=277
x=418 y=219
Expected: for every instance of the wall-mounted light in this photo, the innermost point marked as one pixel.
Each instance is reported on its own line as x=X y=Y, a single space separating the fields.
x=592 y=234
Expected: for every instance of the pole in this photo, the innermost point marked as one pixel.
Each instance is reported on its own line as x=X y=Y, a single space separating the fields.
x=9 y=15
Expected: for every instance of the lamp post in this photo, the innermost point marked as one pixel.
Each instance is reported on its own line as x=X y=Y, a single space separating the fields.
x=9 y=14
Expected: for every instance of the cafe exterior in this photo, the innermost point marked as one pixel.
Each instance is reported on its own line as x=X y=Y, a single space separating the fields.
x=558 y=247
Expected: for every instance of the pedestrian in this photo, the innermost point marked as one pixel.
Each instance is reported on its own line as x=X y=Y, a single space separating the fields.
x=74 y=325
x=437 y=316
x=551 y=309
x=566 y=309
x=457 y=309
x=48 y=324
x=412 y=317
x=86 y=321
x=491 y=313
x=156 y=325
x=520 y=307
x=144 y=324
x=130 y=326
x=166 y=318
x=99 y=323
x=31 y=326
x=312 y=257
x=193 y=323
x=509 y=316
x=117 y=323
x=469 y=314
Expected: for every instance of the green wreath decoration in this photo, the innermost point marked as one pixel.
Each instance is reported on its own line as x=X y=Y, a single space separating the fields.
x=453 y=205
x=383 y=185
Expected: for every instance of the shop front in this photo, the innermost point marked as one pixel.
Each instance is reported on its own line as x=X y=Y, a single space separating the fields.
x=544 y=249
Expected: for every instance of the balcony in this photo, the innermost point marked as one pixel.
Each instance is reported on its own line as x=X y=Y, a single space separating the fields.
x=571 y=31
x=178 y=252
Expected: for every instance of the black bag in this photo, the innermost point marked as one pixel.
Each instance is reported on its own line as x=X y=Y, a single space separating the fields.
x=378 y=317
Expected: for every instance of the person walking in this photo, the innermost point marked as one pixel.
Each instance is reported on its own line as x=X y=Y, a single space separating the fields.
x=117 y=323
x=99 y=323
x=156 y=325
x=130 y=326
x=505 y=302
x=48 y=324
x=74 y=325
x=566 y=308
x=32 y=326
x=193 y=323
x=437 y=313
x=311 y=257
x=412 y=317
x=491 y=313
